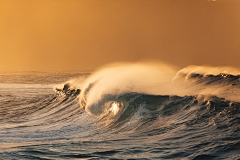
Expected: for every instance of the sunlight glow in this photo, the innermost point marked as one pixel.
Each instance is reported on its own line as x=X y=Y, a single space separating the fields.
x=114 y=108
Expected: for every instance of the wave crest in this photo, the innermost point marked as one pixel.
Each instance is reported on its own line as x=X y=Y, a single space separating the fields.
x=109 y=83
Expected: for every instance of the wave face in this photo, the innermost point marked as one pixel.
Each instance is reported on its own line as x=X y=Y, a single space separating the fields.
x=124 y=111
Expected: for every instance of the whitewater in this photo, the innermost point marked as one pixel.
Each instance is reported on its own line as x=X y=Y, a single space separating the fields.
x=121 y=111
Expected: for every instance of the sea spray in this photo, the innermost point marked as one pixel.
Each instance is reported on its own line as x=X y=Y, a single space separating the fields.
x=118 y=79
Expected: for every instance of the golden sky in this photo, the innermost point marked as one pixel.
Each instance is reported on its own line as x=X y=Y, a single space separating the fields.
x=86 y=34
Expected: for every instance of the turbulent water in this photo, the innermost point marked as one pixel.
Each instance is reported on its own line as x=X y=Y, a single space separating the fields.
x=121 y=111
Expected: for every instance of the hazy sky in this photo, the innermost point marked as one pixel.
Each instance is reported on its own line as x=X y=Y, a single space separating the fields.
x=86 y=34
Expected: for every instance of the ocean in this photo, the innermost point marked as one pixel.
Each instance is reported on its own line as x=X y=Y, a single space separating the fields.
x=121 y=111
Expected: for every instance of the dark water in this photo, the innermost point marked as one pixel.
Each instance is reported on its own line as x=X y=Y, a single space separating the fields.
x=38 y=122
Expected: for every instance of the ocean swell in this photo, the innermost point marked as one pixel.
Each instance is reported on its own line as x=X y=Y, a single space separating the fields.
x=140 y=110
